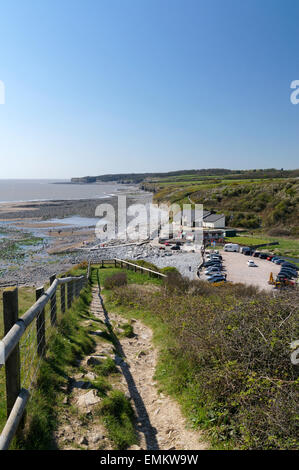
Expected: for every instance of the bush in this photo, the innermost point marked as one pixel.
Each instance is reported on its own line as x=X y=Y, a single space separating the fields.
x=116 y=280
x=228 y=358
x=169 y=269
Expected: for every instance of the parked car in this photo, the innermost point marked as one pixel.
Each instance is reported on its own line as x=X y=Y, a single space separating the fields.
x=212 y=270
x=291 y=265
x=285 y=275
x=274 y=258
x=247 y=252
x=288 y=270
x=278 y=261
x=217 y=278
x=212 y=263
x=251 y=263
x=256 y=254
x=269 y=258
x=211 y=275
x=263 y=255
x=231 y=247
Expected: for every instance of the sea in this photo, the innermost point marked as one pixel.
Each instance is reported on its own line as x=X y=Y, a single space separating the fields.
x=22 y=190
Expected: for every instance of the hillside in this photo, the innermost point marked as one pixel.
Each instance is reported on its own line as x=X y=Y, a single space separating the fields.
x=269 y=204
x=189 y=175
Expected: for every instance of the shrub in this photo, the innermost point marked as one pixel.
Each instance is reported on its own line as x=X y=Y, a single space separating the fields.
x=116 y=280
x=169 y=269
x=228 y=358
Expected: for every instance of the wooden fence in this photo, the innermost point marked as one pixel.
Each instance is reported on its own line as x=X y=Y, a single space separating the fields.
x=20 y=374
x=21 y=369
x=116 y=262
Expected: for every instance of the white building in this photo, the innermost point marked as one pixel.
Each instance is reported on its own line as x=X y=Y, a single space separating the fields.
x=214 y=221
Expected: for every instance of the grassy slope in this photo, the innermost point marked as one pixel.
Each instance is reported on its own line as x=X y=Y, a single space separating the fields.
x=70 y=343
x=243 y=394
x=267 y=203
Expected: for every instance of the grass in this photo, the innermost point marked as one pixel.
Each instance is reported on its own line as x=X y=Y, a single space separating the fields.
x=70 y=343
x=132 y=277
x=26 y=299
x=242 y=393
x=287 y=246
x=118 y=417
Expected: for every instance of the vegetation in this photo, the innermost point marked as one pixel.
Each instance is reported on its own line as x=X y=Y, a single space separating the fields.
x=70 y=343
x=224 y=354
x=286 y=247
x=118 y=416
x=189 y=174
x=116 y=280
x=270 y=204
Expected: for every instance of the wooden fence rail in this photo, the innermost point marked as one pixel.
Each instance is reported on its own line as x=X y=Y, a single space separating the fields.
x=127 y=264
x=14 y=329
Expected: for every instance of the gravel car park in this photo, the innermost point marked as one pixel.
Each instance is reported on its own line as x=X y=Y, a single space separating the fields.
x=237 y=270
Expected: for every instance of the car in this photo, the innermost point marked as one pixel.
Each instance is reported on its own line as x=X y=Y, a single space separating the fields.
x=285 y=274
x=269 y=258
x=216 y=279
x=274 y=258
x=247 y=252
x=263 y=255
x=212 y=263
x=278 y=261
x=216 y=274
x=216 y=265
x=175 y=247
x=210 y=271
x=161 y=247
x=231 y=247
x=251 y=263
x=216 y=256
x=291 y=265
x=289 y=268
x=256 y=254
x=289 y=271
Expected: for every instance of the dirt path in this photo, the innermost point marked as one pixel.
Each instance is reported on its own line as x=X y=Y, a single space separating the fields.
x=159 y=423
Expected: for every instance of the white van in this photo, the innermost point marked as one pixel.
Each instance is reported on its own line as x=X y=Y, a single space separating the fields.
x=231 y=247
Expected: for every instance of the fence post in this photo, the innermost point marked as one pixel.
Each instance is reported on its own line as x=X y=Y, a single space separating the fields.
x=12 y=365
x=69 y=294
x=53 y=303
x=40 y=325
x=102 y=263
x=62 y=298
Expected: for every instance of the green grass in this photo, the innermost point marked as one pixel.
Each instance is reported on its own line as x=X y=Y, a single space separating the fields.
x=118 y=416
x=66 y=346
x=287 y=246
x=132 y=277
x=197 y=334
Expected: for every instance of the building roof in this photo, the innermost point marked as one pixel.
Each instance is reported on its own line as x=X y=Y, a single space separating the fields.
x=213 y=217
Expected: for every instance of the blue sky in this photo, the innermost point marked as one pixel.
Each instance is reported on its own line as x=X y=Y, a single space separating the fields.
x=108 y=86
